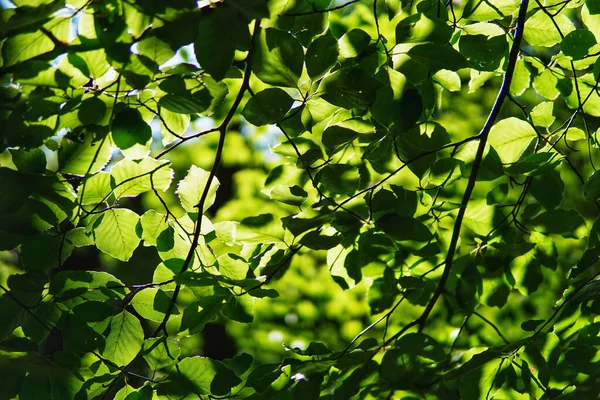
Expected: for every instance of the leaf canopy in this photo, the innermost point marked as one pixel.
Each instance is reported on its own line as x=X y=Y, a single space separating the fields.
x=338 y=199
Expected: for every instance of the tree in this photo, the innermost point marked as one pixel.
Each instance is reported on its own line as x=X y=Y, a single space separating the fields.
x=402 y=193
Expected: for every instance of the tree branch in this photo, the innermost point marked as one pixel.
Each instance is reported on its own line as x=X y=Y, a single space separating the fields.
x=483 y=137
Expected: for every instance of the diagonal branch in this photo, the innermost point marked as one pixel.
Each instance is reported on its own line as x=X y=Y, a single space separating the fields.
x=222 y=133
x=483 y=137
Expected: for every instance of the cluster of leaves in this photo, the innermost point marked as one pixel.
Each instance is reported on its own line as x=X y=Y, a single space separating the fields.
x=466 y=214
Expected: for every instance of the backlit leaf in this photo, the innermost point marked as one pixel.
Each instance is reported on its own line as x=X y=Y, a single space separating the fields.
x=115 y=232
x=192 y=187
x=510 y=137
x=124 y=340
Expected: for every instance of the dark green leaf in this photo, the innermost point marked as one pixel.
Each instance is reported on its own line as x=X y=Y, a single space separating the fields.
x=215 y=46
x=577 y=43
x=547 y=188
x=129 y=129
x=531 y=325
x=198 y=102
x=319 y=241
x=591 y=187
x=92 y=111
x=559 y=221
x=403 y=228
x=321 y=55
x=267 y=107
x=436 y=57
x=483 y=52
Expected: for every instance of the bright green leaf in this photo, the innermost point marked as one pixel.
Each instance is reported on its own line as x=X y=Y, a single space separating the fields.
x=124 y=340
x=510 y=137
x=192 y=188
x=115 y=232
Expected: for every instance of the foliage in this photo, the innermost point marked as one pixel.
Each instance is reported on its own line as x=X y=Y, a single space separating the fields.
x=402 y=193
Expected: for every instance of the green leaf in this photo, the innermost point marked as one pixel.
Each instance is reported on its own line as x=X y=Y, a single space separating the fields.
x=35 y=386
x=484 y=46
x=240 y=309
x=153 y=304
x=125 y=339
x=548 y=188
x=156 y=49
x=263 y=228
x=160 y=352
x=96 y=188
x=479 y=217
x=421 y=28
x=196 y=103
x=591 y=187
x=191 y=188
x=521 y=78
x=130 y=393
x=403 y=228
x=135 y=177
x=531 y=325
x=29 y=161
x=497 y=195
x=253 y=9
x=91 y=284
x=92 y=110
x=345 y=132
x=449 y=80
x=321 y=55
x=44 y=252
x=130 y=133
x=546 y=84
x=278 y=59
x=320 y=241
x=267 y=107
x=353 y=43
x=172 y=124
x=215 y=46
x=559 y=221
x=437 y=57
x=510 y=137
x=542 y=114
x=534 y=164
x=399 y=105
x=540 y=29
x=469 y=287
x=232 y=266
x=25 y=46
x=153 y=224
x=577 y=43
x=406 y=365
x=485 y=11
x=115 y=232
x=292 y=195
x=205 y=376
x=349 y=88
x=13 y=192
x=339 y=179
x=82 y=158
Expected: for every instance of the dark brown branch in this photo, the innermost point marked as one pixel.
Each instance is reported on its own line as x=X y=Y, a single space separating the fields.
x=483 y=137
x=222 y=133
